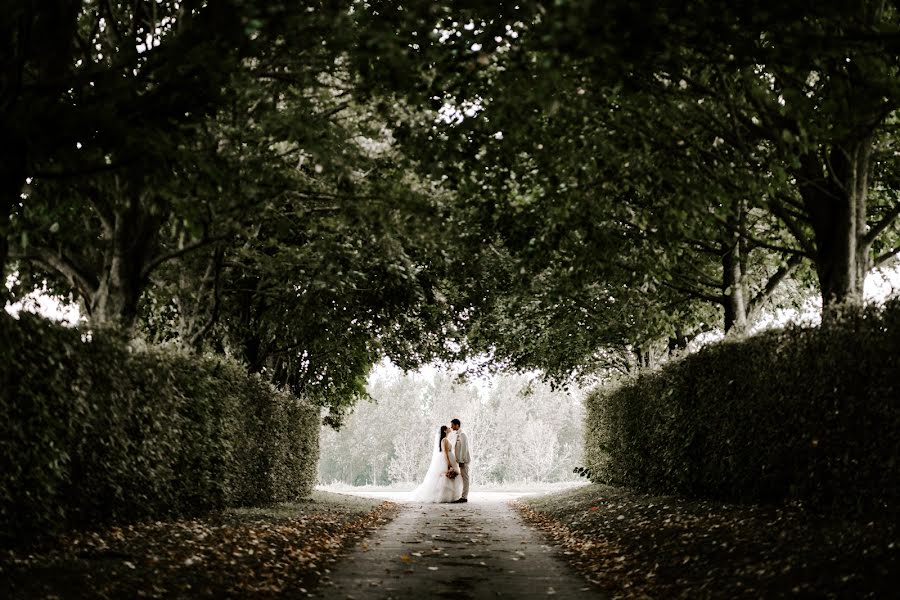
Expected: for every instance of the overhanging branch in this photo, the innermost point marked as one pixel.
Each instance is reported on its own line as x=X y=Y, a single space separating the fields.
x=887 y=257
x=695 y=293
x=774 y=281
x=159 y=260
x=883 y=224
x=78 y=276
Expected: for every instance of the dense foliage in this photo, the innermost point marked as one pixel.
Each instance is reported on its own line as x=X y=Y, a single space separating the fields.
x=317 y=185
x=650 y=171
x=94 y=430
x=796 y=414
x=211 y=176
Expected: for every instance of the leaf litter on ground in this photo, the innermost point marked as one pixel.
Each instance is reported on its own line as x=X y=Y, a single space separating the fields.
x=640 y=546
x=283 y=551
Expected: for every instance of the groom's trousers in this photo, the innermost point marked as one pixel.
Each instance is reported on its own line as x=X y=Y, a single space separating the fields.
x=464 y=473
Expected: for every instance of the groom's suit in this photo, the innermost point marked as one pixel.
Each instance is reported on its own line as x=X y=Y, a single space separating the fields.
x=461 y=450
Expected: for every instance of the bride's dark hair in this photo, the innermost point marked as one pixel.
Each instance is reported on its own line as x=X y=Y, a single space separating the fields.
x=442 y=436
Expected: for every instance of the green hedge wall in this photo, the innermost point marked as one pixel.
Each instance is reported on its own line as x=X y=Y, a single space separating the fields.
x=93 y=431
x=810 y=415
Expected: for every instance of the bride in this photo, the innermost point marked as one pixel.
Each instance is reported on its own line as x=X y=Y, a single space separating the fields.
x=439 y=485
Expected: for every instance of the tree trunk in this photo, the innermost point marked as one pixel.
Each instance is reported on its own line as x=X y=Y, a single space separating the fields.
x=12 y=179
x=743 y=245
x=115 y=302
x=678 y=342
x=133 y=242
x=834 y=192
x=644 y=357
x=733 y=287
x=252 y=306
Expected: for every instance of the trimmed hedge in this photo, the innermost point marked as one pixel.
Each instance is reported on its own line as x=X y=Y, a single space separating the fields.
x=94 y=431
x=809 y=415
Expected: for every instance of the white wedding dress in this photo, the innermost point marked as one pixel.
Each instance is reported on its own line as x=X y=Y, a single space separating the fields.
x=437 y=487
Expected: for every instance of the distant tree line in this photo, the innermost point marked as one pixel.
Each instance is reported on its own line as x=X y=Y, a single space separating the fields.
x=519 y=429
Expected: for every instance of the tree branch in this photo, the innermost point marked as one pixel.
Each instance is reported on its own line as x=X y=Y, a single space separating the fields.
x=883 y=224
x=159 y=260
x=700 y=276
x=79 y=277
x=758 y=243
x=214 y=314
x=333 y=111
x=784 y=214
x=774 y=281
x=85 y=171
x=887 y=257
x=706 y=248
x=694 y=293
x=106 y=216
x=114 y=36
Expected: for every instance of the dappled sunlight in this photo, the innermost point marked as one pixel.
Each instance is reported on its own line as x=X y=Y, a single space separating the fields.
x=42 y=302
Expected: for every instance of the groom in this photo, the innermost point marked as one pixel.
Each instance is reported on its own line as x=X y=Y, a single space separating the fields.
x=461 y=450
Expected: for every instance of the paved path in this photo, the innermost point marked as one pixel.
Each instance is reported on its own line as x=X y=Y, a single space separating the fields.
x=476 y=550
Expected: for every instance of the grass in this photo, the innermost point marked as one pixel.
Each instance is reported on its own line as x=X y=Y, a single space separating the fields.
x=280 y=551
x=639 y=546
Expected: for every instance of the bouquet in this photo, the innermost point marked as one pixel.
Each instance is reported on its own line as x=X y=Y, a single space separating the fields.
x=452 y=474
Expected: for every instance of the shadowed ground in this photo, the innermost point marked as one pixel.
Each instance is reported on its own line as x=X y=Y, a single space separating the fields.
x=476 y=550
x=274 y=552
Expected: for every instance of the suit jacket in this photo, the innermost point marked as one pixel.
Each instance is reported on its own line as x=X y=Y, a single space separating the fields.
x=461 y=448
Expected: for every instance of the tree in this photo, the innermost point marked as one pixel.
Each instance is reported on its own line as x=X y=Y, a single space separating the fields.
x=112 y=137
x=617 y=149
x=36 y=62
x=554 y=173
x=228 y=187
x=808 y=90
x=406 y=463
